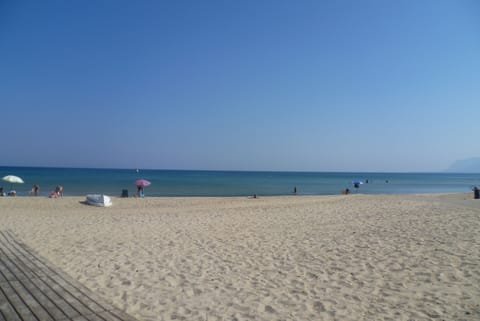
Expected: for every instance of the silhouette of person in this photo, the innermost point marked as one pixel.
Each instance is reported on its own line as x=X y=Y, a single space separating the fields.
x=35 y=190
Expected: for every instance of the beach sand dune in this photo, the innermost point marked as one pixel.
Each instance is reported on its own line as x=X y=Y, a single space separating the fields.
x=353 y=257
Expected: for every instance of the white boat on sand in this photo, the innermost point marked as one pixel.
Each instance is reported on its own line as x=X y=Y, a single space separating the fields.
x=99 y=200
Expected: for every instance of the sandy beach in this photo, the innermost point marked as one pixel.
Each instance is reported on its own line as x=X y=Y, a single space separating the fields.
x=348 y=257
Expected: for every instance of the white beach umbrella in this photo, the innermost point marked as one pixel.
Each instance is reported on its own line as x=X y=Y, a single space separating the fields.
x=12 y=179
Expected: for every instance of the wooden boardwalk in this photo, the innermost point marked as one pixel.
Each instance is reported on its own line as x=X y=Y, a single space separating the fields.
x=33 y=289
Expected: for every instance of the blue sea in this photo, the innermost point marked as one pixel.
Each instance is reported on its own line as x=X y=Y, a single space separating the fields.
x=82 y=181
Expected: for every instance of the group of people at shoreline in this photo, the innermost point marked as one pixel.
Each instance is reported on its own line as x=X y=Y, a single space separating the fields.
x=35 y=191
x=58 y=192
x=10 y=193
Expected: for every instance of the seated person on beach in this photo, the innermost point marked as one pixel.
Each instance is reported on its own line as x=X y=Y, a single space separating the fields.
x=346 y=191
x=59 y=190
x=12 y=193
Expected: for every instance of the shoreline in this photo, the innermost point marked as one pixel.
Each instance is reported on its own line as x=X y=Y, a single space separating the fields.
x=348 y=257
x=245 y=196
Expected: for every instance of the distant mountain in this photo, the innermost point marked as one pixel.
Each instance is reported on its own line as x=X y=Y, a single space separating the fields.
x=469 y=165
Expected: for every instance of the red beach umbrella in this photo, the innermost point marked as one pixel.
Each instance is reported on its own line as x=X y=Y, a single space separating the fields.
x=142 y=182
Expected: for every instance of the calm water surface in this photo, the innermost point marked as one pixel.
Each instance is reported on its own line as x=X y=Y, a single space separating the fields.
x=81 y=181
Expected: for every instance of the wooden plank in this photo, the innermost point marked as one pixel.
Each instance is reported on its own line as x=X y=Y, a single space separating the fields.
x=31 y=301
x=109 y=316
x=33 y=262
x=92 y=296
x=56 y=298
x=61 y=278
x=6 y=309
x=42 y=269
x=20 y=307
x=15 y=251
x=5 y=271
x=43 y=308
x=75 y=302
x=118 y=314
x=33 y=289
x=90 y=317
x=25 y=263
x=49 y=305
x=2 y=277
x=14 y=269
x=3 y=243
x=19 y=269
x=69 y=298
x=86 y=301
x=72 y=300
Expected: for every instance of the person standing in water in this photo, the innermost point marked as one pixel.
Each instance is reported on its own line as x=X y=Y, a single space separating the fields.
x=35 y=190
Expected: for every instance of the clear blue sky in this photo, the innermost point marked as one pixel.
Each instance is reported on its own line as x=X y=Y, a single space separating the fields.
x=240 y=85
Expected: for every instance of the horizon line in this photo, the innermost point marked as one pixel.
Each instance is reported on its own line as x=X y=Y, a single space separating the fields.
x=239 y=170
